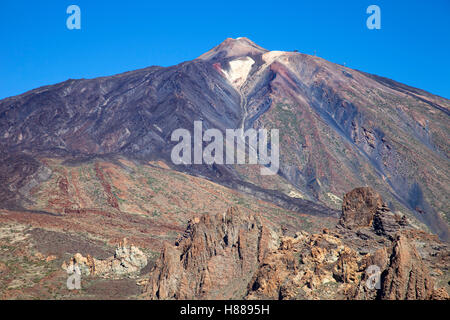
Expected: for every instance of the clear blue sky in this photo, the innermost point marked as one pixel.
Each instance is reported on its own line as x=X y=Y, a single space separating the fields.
x=413 y=45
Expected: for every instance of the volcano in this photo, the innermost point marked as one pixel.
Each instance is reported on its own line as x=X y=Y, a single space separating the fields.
x=69 y=147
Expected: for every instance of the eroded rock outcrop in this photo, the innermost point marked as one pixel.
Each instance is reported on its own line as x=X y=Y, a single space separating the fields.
x=387 y=223
x=127 y=260
x=322 y=266
x=359 y=207
x=364 y=208
x=371 y=254
x=308 y=266
x=215 y=258
x=407 y=277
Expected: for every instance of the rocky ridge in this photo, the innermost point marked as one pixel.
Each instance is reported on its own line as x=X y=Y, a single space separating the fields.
x=214 y=259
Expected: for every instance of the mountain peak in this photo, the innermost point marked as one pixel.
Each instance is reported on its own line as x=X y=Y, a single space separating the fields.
x=230 y=47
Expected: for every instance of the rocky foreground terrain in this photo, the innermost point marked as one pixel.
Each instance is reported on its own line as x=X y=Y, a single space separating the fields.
x=234 y=256
x=86 y=209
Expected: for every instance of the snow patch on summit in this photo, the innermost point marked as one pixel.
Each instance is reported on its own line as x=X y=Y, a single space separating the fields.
x=271 y=56
x=239 y=71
